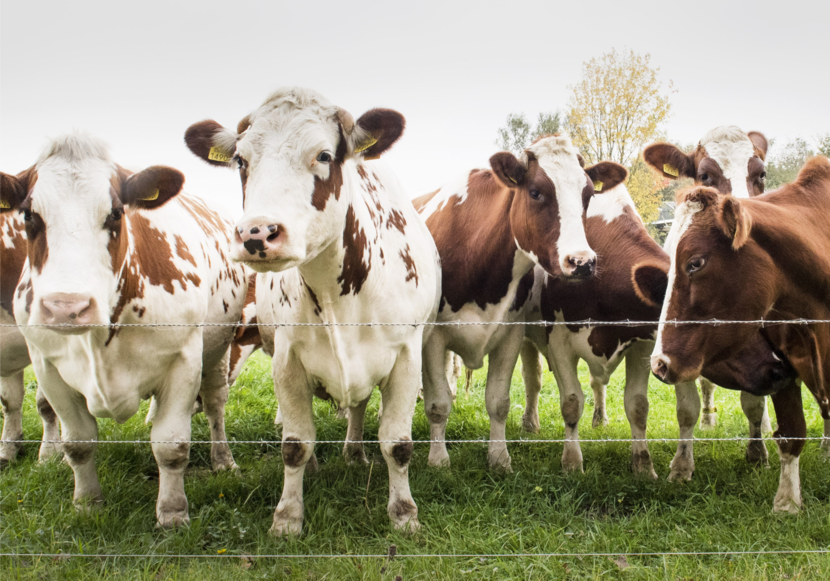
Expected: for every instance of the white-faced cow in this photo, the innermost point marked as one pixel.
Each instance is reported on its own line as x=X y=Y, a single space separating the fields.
x=14 y=355
x=491 y=228
x=111 y=255
x=337 y=242
x=747 y=260
x=732 y=162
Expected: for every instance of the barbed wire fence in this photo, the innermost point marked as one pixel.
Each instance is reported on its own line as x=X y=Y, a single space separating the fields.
x=392 y=551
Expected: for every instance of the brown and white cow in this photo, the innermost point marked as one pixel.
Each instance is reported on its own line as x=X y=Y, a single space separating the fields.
x=732 y=162
x=336 y=241
x=491 y=228
x=113 y=257
x=747 y=260
x=14 y=355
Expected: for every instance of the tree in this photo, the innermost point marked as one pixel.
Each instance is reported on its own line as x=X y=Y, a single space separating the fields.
x=784 y=163
x=517 y=135
x=824 y=144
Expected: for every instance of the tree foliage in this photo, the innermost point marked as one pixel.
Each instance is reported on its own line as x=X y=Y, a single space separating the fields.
x=824 y=144
x=784 y=162
x=517 y=133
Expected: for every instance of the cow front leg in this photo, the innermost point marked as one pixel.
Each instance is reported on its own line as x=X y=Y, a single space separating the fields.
x=49 y=446
x=399 y=394
x=637 y=371
x=214 y=395
x=688 y=411
x=11 y=399
x=571 y=403
x=295 y=394
x=532 y=376
x=825 y=440
x=437 y=398
x=497 y=396
x=791 y=424
x=755 y=407
x=709 y=419
x=353 y=450
x=599 y=387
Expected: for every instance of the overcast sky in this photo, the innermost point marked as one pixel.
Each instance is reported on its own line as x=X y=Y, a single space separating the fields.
x=139 y=73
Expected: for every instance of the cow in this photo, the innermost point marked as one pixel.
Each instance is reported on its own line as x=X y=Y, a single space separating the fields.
x=336 y=242
x=122 y=271
x=14 y=355
x=630 y=285
x=492 y=226
x=748 y=260
x=732 y=162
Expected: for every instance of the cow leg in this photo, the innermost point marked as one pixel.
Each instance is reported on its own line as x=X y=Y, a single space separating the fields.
x=352 y=450
x=825 y=440
x=532 y=376
x=11 y=398
x=710 y=413
x=600 y=415
x=437 y=399
x=571 y=403
x=754 y=408
x=454 y=368
x=637 y=371
x=399 y=395
x=295 y=395
x=497 y=395
x=49 y=446
x=214 y=395
x=688 y=410
x=791 y=424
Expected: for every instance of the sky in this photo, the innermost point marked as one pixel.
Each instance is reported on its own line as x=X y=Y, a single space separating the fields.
x=138 y=74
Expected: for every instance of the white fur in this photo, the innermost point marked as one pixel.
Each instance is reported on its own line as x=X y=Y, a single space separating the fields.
x=455 y=192
x=732 y=149
x=611 y=204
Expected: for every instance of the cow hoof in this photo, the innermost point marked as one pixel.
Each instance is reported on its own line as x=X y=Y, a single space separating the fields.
x=404 y=516
x=572 y=460
x=172 y=519
x=226 y=466
x=439 y=459
x=708 y=421
x=600 y=419
x=642 y=466
x=530 y=424
x=681 y=470
x=288 y=521
x=501 y=464
x=756 y=453
x=355 y=454
x=786 y=505
x=48 y=451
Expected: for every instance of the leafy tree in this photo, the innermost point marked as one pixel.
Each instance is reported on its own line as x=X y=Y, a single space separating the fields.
x=824 y=144
x=517 y=134
x=784 y=163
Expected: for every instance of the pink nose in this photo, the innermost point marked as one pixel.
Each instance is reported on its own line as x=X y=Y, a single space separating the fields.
x=259 y=238
x=580 y=264
x=66 y=308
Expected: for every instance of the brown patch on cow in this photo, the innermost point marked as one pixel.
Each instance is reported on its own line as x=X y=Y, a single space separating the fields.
x=139 y=310
x=396 y=220
x=78 y=453
x=640 y=411
x=292 y=452
x=570 y=410
x=523 y=291
x=325 y=189
x=154 y=256
x=402 y=508
x=284 y=299
x=12 y=258
x=313 y=296
x=409 y=263
x=30 y=295
x=357 y=259
x=45 y=410
x=402 y=453
x=209 y=221
x=36 y=236
x=385 y=126
x=225 y=305
x=182 y=251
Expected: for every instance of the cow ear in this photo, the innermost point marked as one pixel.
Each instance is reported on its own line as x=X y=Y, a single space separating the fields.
x=152 y=187
x=650 y=283
x=760 y=142
x=211 y=142
x=735 y=221
x=374 y=133
x=699 y=195
x=508 y=169
x=669 y=160
x=606 y=175
x=13 y=190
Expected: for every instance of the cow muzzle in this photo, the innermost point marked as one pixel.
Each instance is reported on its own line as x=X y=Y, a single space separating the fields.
x=262 y=244
x=671 y=372
x=68 y=310
x=579 y=264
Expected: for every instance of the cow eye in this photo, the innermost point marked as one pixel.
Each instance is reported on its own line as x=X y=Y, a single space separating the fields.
x=27 y=215
x=117 y=213
x=763 y=175
x=695 y=264
x=324 y=157
x=535 y=194
x=240 y=162
x=704 y=177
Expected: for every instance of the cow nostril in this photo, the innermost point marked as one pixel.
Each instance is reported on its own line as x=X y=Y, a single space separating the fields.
x=273 y=237
x=272 y=228
x=661 y=369
x=254 y=230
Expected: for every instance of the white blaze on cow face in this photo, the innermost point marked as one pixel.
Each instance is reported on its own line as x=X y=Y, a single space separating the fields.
x=69 y=206
x=558 y=158
x=731 y=149
x=290 y=148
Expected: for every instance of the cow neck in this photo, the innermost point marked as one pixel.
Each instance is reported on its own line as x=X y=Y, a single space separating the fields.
x=480 y=260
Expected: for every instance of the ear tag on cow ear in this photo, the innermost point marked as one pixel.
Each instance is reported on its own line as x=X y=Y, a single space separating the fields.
x=217 y=154
x=4 y=205
x=151 y=197
x=512 y=179
x=366 y=145
x=597 y=186
x=670 y=169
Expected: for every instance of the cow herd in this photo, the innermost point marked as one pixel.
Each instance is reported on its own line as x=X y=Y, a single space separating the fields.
x=118 y=287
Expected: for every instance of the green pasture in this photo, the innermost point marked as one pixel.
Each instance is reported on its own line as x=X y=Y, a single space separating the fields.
x=465 y=509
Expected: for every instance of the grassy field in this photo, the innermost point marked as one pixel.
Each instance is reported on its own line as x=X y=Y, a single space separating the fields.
x=465 y=509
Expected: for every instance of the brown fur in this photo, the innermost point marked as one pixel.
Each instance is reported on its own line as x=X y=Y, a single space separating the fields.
x=357 y=261
x=11 y=261
x=384 y=125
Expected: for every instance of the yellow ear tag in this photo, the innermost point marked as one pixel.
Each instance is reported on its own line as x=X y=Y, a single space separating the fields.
x=217 y=154
x=363 y=147
x=150 y=198
x=512 y=179
x=671 y=170
x=597 y=186
x=4 y=204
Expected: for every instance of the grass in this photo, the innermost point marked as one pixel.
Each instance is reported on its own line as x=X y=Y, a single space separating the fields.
x=464 y=509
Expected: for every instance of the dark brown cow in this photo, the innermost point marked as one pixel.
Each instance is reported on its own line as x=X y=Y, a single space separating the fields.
x=777 y=248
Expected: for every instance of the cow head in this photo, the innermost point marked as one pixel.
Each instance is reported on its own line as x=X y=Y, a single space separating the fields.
x=717 y=272
x=726 y=159
x=551 y=193
x=291 y=154
x=73 y=201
